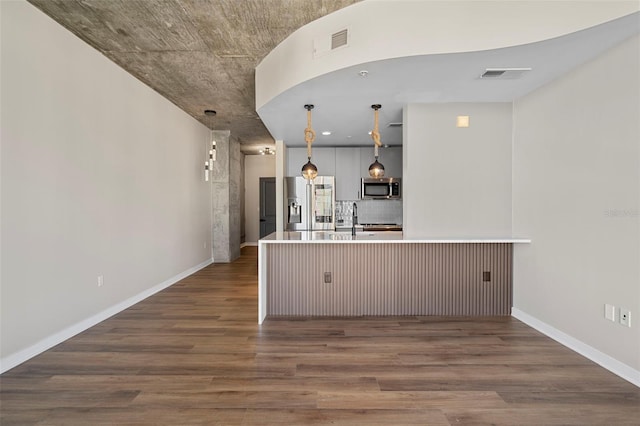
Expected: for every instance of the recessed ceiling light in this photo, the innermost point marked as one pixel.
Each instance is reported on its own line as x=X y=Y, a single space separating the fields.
x=326 y=133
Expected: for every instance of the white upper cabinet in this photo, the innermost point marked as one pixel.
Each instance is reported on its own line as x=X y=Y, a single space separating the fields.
x=325 y=161
x=296 y=158
x=347 y=173
x=391 y=159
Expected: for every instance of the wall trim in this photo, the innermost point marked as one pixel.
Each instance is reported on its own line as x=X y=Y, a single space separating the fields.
x=616 y=367
x=251 y=244
x=19 y=357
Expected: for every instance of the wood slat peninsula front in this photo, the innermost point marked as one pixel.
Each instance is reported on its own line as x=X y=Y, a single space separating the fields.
x=383 y=274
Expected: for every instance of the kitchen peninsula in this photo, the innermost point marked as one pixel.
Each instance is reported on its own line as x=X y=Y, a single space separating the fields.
x=382 y=273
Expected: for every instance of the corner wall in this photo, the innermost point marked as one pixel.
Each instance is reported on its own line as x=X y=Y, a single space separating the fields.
x=457 y=181
x=576 y=194
x=101 y=176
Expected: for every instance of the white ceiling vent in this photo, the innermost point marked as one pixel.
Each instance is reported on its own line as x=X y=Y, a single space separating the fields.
x=339 y=39
x=504 y=73
x=327 y=43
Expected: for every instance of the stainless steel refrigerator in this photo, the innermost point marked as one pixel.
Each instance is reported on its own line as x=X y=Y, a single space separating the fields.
x=310 y=205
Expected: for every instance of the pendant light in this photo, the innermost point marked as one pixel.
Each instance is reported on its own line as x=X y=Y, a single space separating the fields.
x=376 y=170
x=309 y=170
x=208 y=165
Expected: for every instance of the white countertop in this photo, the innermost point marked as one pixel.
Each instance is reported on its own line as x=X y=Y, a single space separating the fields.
x=373 y=237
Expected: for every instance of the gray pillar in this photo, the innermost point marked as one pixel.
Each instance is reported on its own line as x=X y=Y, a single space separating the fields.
x=225 y=194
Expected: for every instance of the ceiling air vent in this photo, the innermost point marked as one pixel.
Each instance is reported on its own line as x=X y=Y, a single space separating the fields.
x=493 y=73
x=327 y=43
x=504 y=73
x=339 y=39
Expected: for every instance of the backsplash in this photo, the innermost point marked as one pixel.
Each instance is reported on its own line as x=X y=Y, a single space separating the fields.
x=369 y=211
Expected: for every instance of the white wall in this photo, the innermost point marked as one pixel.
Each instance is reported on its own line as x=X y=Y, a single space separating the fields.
x=457 y=181
x=255 y=167
x=100 y=176
x=576 y=194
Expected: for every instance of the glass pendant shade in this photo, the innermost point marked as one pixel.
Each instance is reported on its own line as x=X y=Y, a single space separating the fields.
x=309 y=170
x=376 y=170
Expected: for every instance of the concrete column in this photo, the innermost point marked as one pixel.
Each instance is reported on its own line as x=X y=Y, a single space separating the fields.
x=225 y=193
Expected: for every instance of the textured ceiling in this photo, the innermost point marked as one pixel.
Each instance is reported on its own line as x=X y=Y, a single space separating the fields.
x=199 y=54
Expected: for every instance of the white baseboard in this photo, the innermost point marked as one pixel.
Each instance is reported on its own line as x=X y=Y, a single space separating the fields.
x=616 y=367
x=249 y=244
x=19 y=357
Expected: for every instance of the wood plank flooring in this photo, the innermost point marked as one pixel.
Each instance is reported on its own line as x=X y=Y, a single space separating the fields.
x=194 y=355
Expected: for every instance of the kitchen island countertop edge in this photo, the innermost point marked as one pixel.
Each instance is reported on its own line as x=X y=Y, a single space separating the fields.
x=323 y=237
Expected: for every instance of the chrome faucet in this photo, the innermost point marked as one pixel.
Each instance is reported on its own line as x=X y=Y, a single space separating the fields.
x=354 y=219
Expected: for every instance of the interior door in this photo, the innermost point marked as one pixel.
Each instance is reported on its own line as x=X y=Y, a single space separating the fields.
x=267 y=206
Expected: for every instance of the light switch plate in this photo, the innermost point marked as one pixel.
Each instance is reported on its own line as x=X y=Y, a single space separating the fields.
x=610 y=312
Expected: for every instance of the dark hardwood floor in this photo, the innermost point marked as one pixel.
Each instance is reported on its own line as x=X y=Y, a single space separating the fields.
x=194 y=354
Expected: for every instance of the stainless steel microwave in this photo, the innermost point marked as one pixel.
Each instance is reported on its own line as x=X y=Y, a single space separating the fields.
x=381 y=188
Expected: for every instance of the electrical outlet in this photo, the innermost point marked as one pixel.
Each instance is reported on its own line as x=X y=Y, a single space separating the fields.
x=610 y=312
x=100 y=280
x=327 y=277
x=625 y=317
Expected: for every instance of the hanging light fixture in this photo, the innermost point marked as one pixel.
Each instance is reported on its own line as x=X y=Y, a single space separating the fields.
x=267 y=151
x=309 y=170
x=208 y=165
x=376 y=170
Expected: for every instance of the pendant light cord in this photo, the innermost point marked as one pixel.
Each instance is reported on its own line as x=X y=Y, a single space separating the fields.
x=375 y=134
x=309 y=133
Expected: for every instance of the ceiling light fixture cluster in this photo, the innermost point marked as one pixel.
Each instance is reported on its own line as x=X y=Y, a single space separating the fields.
x=267 y=151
